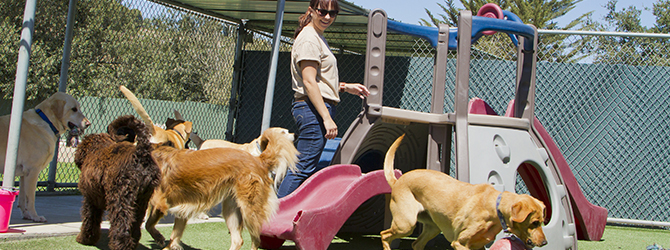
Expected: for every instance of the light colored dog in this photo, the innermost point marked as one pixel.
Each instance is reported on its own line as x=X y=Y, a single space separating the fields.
x=470 y=216
x=194 y=181
x=177 y=131
x=41 y=128
x=255 y=147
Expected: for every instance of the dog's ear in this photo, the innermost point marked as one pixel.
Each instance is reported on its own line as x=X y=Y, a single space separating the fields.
x=177 y=115
x=264 y=140
x=197 y=140
x=171 y=123
x=520 y=211
x=188 y=127
x=58 y=107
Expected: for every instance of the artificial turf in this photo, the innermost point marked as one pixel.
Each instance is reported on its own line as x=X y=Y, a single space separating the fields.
x=215 y=236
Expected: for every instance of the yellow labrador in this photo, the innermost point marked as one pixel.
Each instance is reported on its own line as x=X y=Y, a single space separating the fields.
x=41 y=128
x=470 y=216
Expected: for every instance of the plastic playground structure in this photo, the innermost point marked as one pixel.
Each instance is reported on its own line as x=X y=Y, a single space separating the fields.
x=488 y=148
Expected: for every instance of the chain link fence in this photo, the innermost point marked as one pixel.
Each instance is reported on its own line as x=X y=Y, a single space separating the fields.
x=603 y=99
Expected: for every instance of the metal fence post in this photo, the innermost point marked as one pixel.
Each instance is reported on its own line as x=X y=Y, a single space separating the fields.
x=19 y=94
x=62 y=86
x=237 y=76
x=272 y=77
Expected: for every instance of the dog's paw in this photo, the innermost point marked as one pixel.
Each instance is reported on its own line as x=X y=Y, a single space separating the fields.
x=86 y=239
x=160 y=241
x=174 y=247
x=203 y=216
x=35 y=218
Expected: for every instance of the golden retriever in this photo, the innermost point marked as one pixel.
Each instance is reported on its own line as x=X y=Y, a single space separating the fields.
x=469 y=215
x=194 y=181
x=41 y=128
x=177 y=131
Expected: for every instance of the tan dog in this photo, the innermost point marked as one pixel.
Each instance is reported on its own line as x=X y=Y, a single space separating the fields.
x=194 y=181
x=37 y=143
x=470 y=216
x=256 y=146
x=177 y=131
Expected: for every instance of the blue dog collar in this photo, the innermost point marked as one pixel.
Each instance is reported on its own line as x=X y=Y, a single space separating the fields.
x=46 y=119
x=500 y=215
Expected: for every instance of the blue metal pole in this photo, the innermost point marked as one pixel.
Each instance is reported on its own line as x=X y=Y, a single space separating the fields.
x=272 y=77
x=19 y=94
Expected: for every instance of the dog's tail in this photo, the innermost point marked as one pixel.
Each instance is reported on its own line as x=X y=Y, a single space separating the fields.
x=279 y=154
x=388 y=161
x=138 y=108
x=196 y=139
x=128 y=128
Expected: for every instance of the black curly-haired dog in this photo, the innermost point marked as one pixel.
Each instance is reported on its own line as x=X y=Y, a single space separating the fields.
x=117 y=176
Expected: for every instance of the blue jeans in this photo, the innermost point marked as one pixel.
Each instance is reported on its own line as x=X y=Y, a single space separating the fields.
x=310 y=144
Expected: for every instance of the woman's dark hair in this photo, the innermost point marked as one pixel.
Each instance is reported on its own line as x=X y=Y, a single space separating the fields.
x=306 y=18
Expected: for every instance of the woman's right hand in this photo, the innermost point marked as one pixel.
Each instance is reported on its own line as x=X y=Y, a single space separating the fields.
x=331 y=128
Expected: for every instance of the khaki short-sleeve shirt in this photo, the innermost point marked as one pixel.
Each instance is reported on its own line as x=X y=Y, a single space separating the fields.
x=309 y=45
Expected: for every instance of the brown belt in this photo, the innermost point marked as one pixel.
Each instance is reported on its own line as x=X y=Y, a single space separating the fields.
x=305 y=98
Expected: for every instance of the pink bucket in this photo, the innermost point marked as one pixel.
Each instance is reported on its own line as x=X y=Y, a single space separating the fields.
x=6 y=203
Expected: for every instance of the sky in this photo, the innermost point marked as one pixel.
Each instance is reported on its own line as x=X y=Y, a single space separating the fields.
x=411 y=11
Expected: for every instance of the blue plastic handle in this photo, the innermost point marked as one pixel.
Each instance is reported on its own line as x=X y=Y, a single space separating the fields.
x=511 y=26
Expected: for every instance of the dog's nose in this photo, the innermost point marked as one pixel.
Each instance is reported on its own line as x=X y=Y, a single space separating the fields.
x=530 y=243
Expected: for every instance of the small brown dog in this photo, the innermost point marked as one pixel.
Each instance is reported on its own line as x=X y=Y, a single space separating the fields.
x=119 y=177
x=177 y=131
x=194 y=181
x=470 y=216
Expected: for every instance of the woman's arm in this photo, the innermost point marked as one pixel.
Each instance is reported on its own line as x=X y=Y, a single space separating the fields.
x=355 y=89
x=308 y=69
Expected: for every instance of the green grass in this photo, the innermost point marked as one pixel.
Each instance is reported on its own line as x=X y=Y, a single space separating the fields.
x=215 y=236
x=67 y=172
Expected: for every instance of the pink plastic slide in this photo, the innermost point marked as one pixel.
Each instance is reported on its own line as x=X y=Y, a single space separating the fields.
x=314 y=213
x=590 y=219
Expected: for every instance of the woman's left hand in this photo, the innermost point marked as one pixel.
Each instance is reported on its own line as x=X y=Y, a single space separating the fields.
x=357 y=89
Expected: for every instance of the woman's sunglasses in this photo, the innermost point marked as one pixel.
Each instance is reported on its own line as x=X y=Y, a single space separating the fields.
x=324 y=12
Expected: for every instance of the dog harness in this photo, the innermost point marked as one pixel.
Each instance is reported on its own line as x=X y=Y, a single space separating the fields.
x=46 y=119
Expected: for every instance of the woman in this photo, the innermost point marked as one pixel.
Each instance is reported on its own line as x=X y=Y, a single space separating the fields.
x=317 y=87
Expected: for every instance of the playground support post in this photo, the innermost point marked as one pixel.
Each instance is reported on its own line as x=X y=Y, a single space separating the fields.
x=461 y=97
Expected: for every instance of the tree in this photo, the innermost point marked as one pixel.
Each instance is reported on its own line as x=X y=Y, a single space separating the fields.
x=541 y=14
x=47 y=45
x=168 y=55
x=633 y=50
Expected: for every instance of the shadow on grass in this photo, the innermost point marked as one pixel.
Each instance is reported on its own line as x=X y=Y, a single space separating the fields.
x=103 y=243
x=374 y=242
